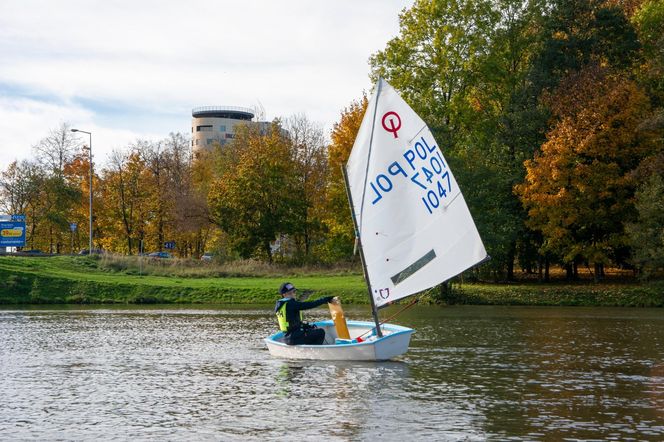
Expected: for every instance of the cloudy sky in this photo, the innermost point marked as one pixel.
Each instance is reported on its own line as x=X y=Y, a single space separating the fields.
x=128 y=69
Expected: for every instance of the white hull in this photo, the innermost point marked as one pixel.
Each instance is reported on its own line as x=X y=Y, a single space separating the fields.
x=394 y=343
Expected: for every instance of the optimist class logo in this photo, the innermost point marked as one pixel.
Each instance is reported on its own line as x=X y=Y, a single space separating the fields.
x=394 y=121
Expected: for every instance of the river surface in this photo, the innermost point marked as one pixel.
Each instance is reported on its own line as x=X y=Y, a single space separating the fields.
x=204 y=373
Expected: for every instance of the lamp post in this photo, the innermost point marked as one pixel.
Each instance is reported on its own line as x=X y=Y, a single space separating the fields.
x=90 y=151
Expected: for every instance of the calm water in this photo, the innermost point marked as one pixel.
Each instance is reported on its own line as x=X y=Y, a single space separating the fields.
x=473 y=373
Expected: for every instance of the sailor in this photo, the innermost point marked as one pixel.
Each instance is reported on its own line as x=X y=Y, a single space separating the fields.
x=289 y=315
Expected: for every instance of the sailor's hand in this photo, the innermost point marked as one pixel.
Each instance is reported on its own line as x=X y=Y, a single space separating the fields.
x=335 y=300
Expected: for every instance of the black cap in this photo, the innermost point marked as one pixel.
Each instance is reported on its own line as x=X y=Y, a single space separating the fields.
x=285 y=288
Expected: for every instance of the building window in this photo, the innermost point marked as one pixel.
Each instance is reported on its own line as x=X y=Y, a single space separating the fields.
x=230 y=136
x=196 y=142
x=223 y=142
x=222 y=128
x=210 y=140
x=204 y=128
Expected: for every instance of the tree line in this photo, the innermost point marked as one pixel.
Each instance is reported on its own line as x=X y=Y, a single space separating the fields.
x=142 y=196
x=551 y=114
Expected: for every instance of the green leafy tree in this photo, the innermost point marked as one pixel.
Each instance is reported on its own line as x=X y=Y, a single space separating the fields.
x=463 y=67
x=432 y=61
x=256 y=196
x=646 y=234
x=649 y=22
x=501 y=133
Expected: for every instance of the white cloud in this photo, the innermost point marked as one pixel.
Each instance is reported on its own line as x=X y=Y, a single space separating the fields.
x=136 y=68
x=24 y=122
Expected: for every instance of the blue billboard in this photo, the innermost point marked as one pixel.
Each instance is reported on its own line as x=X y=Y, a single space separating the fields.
x=12 y=231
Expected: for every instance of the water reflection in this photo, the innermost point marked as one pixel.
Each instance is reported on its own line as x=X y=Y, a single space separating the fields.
x=472 y=373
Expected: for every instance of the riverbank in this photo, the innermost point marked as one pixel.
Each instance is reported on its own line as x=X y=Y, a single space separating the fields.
x=89 y=280
x=93 y=280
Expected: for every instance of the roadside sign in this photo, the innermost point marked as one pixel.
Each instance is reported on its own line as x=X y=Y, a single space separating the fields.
x=12 y=232
x=169 y=245
x=73 y=226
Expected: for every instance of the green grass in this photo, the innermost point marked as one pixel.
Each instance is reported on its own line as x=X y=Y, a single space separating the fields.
x=65 y=279
x=563 y=294
x=116 y=280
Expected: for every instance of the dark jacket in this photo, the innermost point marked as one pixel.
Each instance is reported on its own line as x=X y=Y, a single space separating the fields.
x=294 y=307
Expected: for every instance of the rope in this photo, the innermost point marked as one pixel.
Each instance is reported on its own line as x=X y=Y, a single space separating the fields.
x=412 y=303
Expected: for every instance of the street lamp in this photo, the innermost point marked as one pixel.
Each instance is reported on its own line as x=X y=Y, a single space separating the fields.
x=90 y=150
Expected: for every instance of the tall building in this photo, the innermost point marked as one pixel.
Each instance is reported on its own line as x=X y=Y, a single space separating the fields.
x=212 y=124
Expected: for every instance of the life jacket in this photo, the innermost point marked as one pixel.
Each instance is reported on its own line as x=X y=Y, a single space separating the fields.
x=280 y=310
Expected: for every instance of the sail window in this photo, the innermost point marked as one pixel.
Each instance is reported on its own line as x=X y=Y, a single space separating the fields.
x=414 y=267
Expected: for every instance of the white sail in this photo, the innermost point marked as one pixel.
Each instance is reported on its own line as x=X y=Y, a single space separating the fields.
x=414 y=224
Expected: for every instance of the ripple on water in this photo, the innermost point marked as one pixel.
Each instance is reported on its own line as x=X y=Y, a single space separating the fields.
x=471 y=374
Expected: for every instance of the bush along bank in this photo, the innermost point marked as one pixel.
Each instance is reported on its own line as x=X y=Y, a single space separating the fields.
x=556 y=294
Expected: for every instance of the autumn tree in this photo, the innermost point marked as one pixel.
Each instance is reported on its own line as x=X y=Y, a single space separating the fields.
x=56 y=150
x=19 y=187
x=577 y=190
x=202 y=177
x=308 y=150
x=125 y=181
x=256 y=196
x=158 y=198
x=59 y=196
x=151 y=190
x=77 y=174
x=20 y=191
x=189 y=219
x=337 y=220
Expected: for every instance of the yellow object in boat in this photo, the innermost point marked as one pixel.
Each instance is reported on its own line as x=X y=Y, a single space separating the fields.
x=339 y=319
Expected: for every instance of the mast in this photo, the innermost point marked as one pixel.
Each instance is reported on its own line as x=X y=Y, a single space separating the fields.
x=374 y=310
x=366 y=172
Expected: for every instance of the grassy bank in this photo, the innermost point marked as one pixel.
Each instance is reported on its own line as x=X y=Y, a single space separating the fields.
x=91 y=280
x=561 y=294
x=126 y=280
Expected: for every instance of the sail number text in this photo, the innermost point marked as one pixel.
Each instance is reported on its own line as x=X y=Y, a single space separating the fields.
x=424 y=167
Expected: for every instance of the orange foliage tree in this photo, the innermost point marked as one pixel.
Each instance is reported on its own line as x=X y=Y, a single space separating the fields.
x=578 y=190
x=337 y=220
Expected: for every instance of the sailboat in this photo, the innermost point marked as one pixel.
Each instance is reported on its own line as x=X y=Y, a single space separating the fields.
x=412 y=225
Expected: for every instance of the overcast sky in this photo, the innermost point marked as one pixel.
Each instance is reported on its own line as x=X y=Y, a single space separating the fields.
x=134 y=69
